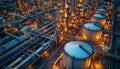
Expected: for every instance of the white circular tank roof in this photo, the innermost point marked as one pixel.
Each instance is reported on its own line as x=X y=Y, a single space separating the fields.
x=93 y=26
x=78 y=49
x=99 y=16
x=102 y=10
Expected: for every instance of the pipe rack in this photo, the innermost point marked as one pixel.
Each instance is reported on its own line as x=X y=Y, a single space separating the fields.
x=20 y=21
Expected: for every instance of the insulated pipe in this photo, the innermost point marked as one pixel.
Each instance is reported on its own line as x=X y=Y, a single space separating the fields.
x=22 y=47
x=5 y=39
x=61 y=55
x=40 y=13
x=45 y=23
x=34 y=54
x=48 y=29
x=11 y=35
x=15 y=62
x=29 y=58
x=15 y=41
x=11 y=22
x=18 y=15
x=18 y=49
x=20 y=21
x=11 y=43
x=49 y=24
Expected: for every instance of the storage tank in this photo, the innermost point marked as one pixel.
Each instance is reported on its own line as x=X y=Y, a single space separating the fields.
x=99 y=18
x=75 y=54
x=102 y=11
x=91 y=32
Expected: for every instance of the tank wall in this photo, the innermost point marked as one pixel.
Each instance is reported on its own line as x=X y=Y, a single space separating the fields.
x=70 y=63
x=99 y=20
x=104 y=13
x=94 y=36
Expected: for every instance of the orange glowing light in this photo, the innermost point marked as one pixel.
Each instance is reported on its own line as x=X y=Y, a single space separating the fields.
x=58 y=25
x=59 y=4
x=87 y=63
x=61 y=11
x=44 y=30
x=5 y=29
x=84 y=37
x=79 y=5
x=9 y=25
x=24 y=32
x=80 y=0
x=61 y=38
x=74 y=26
x=30 y=67
x=103 y=22
x=70 y=24
x=33 y=26
x=72 y=21
x=98 y=65
x=15 y=29
x=92 y=20
x=65 y=14
x=65 y=29
x=97 y=37
x=55 y=66
x=66 y=6
x=73 y=14
x=46 y=54
x=62 y=32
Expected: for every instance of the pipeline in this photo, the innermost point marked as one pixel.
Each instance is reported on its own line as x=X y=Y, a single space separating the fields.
x=12 y=43
x=29 y=58
x=49 y=24
x=11 y=35
x=10 y=14
x=20 y=21
x=19 y=39
x=19 y=49
x=15 y=62
x=25 y=28
x=58 y=59
x=33 y=55
x=45 y=23
x=5 y=39
x=14 y=22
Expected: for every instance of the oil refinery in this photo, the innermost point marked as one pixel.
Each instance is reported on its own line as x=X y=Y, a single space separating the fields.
x=59 y=34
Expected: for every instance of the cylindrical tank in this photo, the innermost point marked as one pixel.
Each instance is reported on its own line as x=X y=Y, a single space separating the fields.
x=75 y=54
x=92 y=32
x=99 y=18
x=102 y=11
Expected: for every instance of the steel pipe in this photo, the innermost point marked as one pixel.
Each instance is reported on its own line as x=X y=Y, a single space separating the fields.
x=34 y=54
x=22 y=47
x=11 y=43
x=5 y=39
x=20 y=21
x=15 y=62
